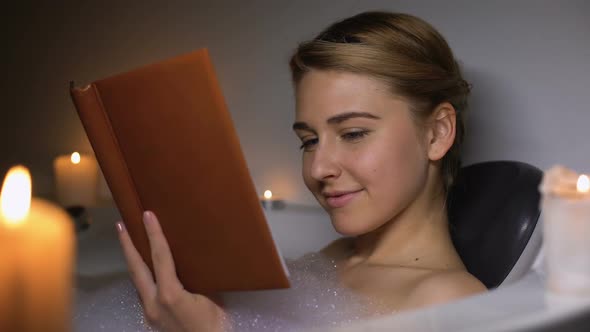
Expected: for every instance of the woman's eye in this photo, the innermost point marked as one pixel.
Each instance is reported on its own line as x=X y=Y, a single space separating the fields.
x=355 y=135
x=308 y=144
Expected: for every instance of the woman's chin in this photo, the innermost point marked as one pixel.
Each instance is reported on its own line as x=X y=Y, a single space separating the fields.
x=355 y=222
x=348 y=226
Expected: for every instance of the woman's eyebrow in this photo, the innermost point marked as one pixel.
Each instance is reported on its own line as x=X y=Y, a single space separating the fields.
x=349 y=115
x=301 y=126
x=336 y=119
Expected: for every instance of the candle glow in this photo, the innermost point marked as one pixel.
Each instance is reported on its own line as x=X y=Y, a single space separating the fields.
x=267 y=194
x=75 y=158
x=566 y=207
x=583 y=184
x=15 y=198
x=36 y=251
x=76 y=179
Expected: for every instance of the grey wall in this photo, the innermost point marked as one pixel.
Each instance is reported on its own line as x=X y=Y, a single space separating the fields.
x=529 y=63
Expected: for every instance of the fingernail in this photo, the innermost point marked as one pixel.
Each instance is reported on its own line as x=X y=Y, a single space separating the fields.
x=147 y=216
x=120 y=227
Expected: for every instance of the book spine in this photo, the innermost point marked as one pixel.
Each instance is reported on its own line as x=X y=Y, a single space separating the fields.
x=103 y=139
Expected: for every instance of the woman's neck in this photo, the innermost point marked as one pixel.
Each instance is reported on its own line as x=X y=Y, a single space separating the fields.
x=418 y=237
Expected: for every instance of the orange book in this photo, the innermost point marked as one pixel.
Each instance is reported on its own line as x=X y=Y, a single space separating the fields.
x=165 y=141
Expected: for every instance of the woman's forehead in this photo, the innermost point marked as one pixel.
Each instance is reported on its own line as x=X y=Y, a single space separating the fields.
x=327 y=81
x=323 y=94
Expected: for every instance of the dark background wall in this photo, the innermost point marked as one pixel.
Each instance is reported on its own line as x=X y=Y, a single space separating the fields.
x=529 y=63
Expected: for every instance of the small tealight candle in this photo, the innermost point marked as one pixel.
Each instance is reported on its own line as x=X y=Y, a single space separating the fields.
x=270 y=202
x=36 y=259
x=566 y=228
x=76 y=178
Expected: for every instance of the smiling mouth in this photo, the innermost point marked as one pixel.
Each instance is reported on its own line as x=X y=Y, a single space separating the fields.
x=338 y=201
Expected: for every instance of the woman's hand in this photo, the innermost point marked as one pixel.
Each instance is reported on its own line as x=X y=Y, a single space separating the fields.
x=167 y=305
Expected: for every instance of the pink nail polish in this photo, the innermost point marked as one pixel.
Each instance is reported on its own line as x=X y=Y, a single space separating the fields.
x=120 y=227
x=147 y=216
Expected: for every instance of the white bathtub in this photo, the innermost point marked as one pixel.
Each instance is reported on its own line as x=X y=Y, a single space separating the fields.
x=519 y=305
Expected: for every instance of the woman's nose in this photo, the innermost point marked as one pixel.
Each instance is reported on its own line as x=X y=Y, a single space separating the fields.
x=324 y=164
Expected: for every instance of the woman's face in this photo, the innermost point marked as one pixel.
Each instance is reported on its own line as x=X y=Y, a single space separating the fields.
x=363 y=156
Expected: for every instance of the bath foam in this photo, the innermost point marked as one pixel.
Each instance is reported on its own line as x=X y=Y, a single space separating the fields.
x=115 y=307
x=313 y=301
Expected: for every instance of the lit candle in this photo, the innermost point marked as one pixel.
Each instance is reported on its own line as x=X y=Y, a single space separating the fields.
x=566 y=228
x=36 y=256
x=76 y=179
x=267 y=195
x=271 y=202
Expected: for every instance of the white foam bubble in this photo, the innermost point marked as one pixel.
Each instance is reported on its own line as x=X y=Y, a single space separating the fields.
x=314 y=300
x=115 y=307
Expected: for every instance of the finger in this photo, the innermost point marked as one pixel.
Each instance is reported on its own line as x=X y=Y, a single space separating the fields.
x=161 y=256
x=138 y=269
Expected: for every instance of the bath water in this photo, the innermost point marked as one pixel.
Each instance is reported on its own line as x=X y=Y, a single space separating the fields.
x=313 y=301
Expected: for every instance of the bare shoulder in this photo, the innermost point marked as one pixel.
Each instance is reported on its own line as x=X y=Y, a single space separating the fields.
x=442 y=287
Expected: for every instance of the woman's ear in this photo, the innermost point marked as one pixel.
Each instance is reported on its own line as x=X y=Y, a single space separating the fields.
x=441 y=130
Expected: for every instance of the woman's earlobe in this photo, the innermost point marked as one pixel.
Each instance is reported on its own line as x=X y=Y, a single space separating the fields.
x=443 y=124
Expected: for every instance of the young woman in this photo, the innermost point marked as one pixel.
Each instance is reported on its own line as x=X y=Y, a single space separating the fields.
x=379 y=111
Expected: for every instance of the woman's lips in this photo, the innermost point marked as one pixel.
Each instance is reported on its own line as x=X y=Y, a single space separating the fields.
x=341 y=200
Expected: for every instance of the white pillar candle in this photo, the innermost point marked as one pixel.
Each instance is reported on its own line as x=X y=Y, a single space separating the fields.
x=36 y=255
x=566 y=229
x=75 y=179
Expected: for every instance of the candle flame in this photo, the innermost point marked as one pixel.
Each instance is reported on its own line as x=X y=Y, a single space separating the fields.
x=583 y=185
x=75 y=158
x=267 y=194
x=15 y=197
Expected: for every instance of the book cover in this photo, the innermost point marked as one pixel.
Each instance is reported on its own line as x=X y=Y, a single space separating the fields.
x=165 y=141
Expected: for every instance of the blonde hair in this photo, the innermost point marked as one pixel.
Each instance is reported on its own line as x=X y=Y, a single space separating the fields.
x=403 y=51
